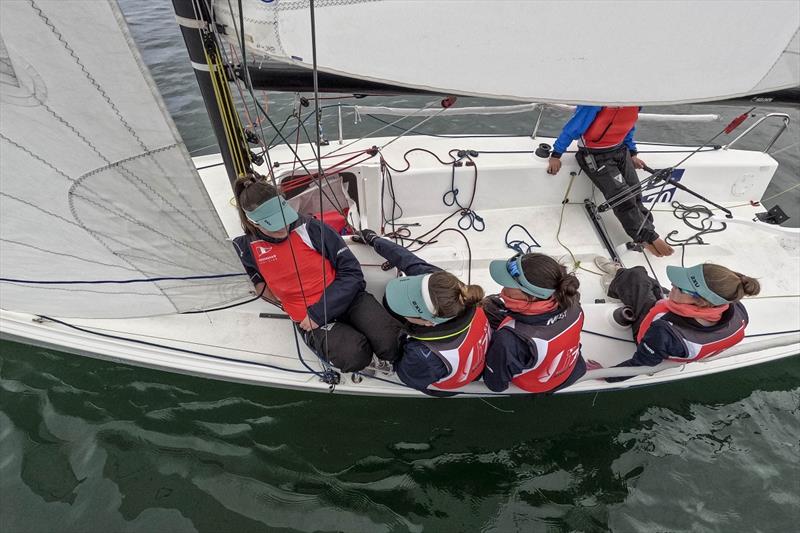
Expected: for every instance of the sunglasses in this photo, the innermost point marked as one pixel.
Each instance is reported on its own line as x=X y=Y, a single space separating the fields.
x=689 y=293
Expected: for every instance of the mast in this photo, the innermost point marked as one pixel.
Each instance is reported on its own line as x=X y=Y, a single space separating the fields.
x=212 y=78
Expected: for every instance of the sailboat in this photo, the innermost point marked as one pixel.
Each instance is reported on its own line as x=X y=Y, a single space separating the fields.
x=116 y=242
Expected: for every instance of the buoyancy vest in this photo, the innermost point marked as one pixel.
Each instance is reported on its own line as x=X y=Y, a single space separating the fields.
x=555 y=345
x=699 y=343
x=297 y=284
x=462 y=352
x=610 y=127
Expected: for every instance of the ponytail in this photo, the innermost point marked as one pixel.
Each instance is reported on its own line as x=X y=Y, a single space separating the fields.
x=250 y=191
x=450 y=296
x=544 y=271
x=728 y=284
x=471 y=295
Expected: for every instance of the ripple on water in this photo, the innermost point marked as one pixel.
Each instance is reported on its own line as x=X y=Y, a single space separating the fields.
x=745 y=451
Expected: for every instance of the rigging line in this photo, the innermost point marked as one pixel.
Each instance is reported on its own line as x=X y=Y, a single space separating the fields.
x=412 y=128
x=249 y=86
x=576 y=265
x=370 y=134
x=121 y=281
x=173 y=348
x=317 y=111
x=727 y=129
x=776 y=152
x=324 y=174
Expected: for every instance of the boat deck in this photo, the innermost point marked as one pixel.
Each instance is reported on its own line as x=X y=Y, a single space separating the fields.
x=240 y=344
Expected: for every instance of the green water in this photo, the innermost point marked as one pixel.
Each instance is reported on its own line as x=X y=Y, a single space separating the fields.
x=93 y=446
x=89 y=446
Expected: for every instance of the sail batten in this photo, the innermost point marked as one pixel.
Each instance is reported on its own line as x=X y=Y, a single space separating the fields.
x=95 y=182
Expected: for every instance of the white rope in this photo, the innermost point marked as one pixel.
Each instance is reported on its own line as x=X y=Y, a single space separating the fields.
x=484 y=110
x=511 y=109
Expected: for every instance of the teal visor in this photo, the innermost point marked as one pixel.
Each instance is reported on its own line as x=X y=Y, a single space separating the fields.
x=407 y=297
x=509 y=273
x=692 y=280
x=273 y=215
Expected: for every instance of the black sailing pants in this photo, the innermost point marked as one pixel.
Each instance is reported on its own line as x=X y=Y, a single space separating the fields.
x=349 y=342
x=617 y=174
x=634 y=288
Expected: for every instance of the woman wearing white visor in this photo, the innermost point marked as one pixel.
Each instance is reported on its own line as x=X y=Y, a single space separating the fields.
x=701 y=316
x=311 y=272
x=447 y=334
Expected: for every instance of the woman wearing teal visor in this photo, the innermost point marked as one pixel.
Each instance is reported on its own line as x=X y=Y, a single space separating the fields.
x=538 y=320
x=447 y=334
x=701 y=316
x=306 y=267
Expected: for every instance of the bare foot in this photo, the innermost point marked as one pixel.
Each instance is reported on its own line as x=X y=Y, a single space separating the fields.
x=653 y=250
x=662 y=247
x=591 y=364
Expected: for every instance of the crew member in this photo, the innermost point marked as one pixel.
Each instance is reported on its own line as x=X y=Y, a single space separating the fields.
x=607 y=154
x=701 y=316
x=312 y=274
x=538 y=320
x=447 y=334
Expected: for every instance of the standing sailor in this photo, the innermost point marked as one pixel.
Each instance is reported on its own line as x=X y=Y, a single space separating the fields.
x=447 y=334
x=311 y=272
x=607 y=154
x=538 y=318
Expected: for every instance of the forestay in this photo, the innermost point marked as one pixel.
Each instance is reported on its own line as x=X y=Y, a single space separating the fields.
x=96 y=183
x=611 y=52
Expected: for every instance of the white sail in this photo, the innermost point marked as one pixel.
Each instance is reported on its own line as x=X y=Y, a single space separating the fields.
x=95 y=183
x=590 y=52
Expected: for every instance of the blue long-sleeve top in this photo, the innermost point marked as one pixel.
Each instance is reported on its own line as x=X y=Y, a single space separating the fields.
x=577 y=125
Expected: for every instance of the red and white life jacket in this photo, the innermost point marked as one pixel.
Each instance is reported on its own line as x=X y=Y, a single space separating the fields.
x=298 y=282
x=463 y=352
x=555 y=345
x=699 y=344
x=610 y=127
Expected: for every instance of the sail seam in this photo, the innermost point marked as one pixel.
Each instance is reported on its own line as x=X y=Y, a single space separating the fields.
x=36 y=157
x=116 y=111
x=89 y=76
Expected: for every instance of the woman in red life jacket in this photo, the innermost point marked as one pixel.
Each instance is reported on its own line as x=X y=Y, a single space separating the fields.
x=607 y=154
x=538 y=320
x=700 y=317
x=447 y=334
x=306 y=266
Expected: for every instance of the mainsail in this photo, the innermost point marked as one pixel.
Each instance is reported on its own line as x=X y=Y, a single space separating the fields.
x=97 y=187
x=590 y=52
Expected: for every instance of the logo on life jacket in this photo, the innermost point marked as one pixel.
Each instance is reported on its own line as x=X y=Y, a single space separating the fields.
x=653 y=192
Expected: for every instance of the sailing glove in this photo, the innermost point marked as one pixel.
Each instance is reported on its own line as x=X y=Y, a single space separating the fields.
x=366 y=236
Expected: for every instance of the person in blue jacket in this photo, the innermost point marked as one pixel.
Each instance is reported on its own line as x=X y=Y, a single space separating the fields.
x=607 y=154
x=446 y=332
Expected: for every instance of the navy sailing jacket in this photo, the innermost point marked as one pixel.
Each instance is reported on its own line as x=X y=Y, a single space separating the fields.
x=339 y=293
x=508 y=354
x=418 y=367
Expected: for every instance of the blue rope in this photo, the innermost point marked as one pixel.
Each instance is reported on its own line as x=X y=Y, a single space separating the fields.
x=521 y=245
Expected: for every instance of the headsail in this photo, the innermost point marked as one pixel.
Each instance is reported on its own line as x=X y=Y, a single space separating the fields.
x=612 y=52
x=96 y=184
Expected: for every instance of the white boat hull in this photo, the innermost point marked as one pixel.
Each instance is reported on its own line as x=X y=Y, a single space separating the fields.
x=238 y=345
